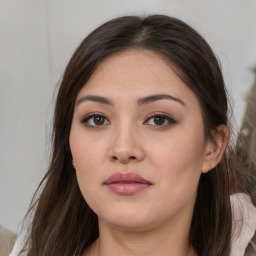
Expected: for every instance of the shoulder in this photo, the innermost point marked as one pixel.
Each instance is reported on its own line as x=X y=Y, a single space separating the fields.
x=18 y=245
x=244 y=222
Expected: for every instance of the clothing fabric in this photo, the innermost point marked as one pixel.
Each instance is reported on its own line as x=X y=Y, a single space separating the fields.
x=244 y=222
x=243 y=227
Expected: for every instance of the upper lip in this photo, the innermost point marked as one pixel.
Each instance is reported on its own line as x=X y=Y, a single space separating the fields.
x=126 y=177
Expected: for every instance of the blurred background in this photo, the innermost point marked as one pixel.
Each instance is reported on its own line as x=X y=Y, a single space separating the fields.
x=37 y=38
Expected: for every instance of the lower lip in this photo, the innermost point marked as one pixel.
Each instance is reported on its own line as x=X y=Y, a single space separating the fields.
x=127 y=188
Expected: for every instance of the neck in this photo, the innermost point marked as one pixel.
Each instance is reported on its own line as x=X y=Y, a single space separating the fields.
x=162 y=241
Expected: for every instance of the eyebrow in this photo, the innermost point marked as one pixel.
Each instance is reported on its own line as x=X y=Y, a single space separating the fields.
x=156 y=97
x=94 y=98
x=142 y=101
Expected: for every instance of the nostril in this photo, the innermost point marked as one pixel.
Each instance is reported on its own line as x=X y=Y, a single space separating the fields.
x=123 y=159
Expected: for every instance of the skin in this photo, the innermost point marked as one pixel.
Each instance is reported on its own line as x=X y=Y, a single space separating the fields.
x=169 y=150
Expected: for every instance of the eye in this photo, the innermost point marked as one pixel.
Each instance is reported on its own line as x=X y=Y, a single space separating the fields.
x=94 y=120
x=160 y=120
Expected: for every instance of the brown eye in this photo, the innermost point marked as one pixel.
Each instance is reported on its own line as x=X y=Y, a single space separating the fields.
x=95 y=120
x=99 y=120
x=159 y=120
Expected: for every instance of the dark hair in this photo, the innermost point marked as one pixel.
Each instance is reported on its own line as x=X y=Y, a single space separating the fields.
x=63 y=223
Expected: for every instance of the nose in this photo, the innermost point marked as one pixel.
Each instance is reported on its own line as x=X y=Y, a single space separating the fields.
x=126 y=145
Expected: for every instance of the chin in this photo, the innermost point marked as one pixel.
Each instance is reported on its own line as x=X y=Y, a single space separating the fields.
x=127 y=219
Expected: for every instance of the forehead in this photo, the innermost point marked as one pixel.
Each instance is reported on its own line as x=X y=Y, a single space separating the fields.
x=136 y=73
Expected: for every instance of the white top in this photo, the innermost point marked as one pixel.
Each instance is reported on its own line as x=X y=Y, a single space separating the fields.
x=244 y=222
x=243 y=228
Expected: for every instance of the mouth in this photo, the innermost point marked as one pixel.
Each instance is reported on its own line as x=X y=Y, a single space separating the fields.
x=127 y=183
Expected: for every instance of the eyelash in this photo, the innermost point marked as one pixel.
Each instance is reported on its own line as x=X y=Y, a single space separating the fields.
x=86 y=120
x=170 y=120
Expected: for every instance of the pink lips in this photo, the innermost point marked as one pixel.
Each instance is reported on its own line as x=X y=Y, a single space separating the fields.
x=126 y=183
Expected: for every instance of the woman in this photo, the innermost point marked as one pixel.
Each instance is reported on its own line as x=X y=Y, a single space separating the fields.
x=141 y=163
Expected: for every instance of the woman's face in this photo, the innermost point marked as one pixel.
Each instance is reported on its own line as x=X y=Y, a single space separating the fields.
x=138 y=144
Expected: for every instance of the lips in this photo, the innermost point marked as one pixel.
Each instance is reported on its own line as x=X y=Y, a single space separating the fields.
x=126 y=183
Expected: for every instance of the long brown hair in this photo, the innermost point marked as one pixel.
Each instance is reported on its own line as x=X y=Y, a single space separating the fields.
x=63 y=223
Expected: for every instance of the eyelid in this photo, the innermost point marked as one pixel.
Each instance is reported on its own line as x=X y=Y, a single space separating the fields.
x=168 y=117
x=91 y=115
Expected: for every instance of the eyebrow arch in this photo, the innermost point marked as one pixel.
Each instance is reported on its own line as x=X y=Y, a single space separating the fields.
x=94 y=98
x=141 y=101
x=156 y=97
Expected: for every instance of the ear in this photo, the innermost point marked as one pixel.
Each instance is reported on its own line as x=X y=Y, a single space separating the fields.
x=215 y=148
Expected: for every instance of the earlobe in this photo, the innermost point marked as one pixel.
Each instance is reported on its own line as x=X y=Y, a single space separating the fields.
x=215 y=148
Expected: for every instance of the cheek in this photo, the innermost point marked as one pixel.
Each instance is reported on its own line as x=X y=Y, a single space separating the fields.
x=178 y=153
x=178 y=161
x=179 y=169
x=88 y=156
x=87 y=152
